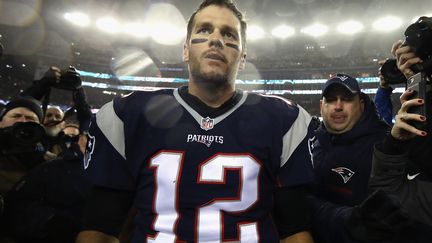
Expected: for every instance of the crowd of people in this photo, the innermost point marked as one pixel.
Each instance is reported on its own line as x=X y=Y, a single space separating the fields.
x=209 y=162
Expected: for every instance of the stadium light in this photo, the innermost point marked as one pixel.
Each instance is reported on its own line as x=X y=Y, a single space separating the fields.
x=255 y=32
x=78 y=18
x=387 y=24
x=108 y=25
x=283 y=31
x=350 y=27
x=315 y=30
x=136 y=29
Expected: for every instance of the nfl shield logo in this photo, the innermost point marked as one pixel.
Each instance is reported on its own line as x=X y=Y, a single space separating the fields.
x=207 y=123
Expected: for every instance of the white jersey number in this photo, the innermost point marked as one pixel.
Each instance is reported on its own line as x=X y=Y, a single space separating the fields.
x=209 y=220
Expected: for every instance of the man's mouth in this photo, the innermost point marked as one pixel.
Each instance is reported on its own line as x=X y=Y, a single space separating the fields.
x=338 y=118
x=214 y=56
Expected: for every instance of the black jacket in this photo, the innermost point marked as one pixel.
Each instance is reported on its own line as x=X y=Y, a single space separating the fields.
x=397 y=173
x=46 y=205
x=342 y=165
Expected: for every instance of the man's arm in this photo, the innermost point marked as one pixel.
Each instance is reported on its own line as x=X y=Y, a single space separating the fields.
x=90 y=236
x=292 y=214
x=300 y=237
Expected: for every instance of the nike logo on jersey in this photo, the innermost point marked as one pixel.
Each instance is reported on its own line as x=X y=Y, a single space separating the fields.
x=345 y=173
x=205 y=139
x=411 y=177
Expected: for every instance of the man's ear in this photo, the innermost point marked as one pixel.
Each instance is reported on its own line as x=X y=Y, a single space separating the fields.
x=321 y=103
x=185 y=52
x=242 y=64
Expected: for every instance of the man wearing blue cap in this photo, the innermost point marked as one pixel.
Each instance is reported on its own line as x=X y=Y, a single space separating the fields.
x=342 y=155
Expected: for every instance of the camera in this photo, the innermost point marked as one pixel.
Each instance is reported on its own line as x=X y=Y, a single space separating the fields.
x=418 y=36
x=421 y=85
x=20 y=137
x=69 y=80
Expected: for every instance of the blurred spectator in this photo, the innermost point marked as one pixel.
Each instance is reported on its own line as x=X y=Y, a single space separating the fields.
x=342 y=155
x=46 y=205
x=54 y=120
x=16 y=155
x=402 y=162
x=383 y=101
x=20 y=147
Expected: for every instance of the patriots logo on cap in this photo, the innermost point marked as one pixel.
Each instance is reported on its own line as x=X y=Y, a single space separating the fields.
x=345 y=173
x=91 y=140
x=207 y=123
x=342 y=78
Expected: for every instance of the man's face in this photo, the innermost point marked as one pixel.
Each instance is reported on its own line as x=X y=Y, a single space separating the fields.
x=53 y=121
x=214 y=51
x=19 y=114
x=341 y=109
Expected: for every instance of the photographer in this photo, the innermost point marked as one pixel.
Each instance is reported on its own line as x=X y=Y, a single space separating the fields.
x=20 y=134
x=46 y=204
x=54 y=119
x=402 y=162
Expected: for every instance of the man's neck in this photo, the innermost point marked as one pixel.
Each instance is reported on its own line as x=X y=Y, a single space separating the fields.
x=212 y=95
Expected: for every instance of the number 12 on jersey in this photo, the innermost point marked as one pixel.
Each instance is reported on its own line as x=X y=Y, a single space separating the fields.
x=209 y=224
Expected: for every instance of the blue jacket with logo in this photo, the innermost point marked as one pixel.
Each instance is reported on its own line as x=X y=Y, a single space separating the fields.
x=342 y=166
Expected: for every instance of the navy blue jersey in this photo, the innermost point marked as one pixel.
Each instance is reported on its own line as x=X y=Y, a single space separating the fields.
x=200 y=179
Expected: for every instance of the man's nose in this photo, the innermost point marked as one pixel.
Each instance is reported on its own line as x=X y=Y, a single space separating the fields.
x=339 y=104
x=216 y=40
x=21 y=119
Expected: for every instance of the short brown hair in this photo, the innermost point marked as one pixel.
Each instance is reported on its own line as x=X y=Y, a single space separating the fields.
x=224 y=3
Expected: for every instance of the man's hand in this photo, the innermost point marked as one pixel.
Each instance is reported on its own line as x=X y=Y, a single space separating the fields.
x=300 y=237
x=402 y=130
x=382 y=83
x=52 y=76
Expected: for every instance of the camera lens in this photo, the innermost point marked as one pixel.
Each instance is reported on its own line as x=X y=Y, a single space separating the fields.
x=27 y=133
x=391 y=73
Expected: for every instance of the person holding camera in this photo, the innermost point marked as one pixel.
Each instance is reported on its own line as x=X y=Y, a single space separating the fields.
x=402 y=162
x=54 y=119
x=46 y=205
x=20 y=136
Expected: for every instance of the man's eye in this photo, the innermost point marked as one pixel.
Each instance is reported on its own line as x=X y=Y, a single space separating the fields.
x=203 y=31
x=230 y=36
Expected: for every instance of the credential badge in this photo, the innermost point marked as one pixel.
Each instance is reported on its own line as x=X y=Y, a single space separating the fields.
x=207 y=123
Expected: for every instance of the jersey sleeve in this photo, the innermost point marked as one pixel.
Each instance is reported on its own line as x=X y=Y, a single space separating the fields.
x=296 y=158
x=105 y=159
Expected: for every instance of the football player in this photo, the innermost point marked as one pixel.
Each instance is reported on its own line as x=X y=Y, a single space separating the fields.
x=202 y=163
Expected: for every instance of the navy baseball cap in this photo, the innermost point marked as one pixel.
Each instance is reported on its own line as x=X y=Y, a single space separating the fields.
x=346 y=81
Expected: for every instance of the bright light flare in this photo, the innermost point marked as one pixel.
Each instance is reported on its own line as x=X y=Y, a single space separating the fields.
x=350 y=27
x=387 y=24
x=167 y=24
x=255 y=33
x=108 y=25
x=78 y=18
x=139 y=30
x=315 y=30
x=283 y=31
